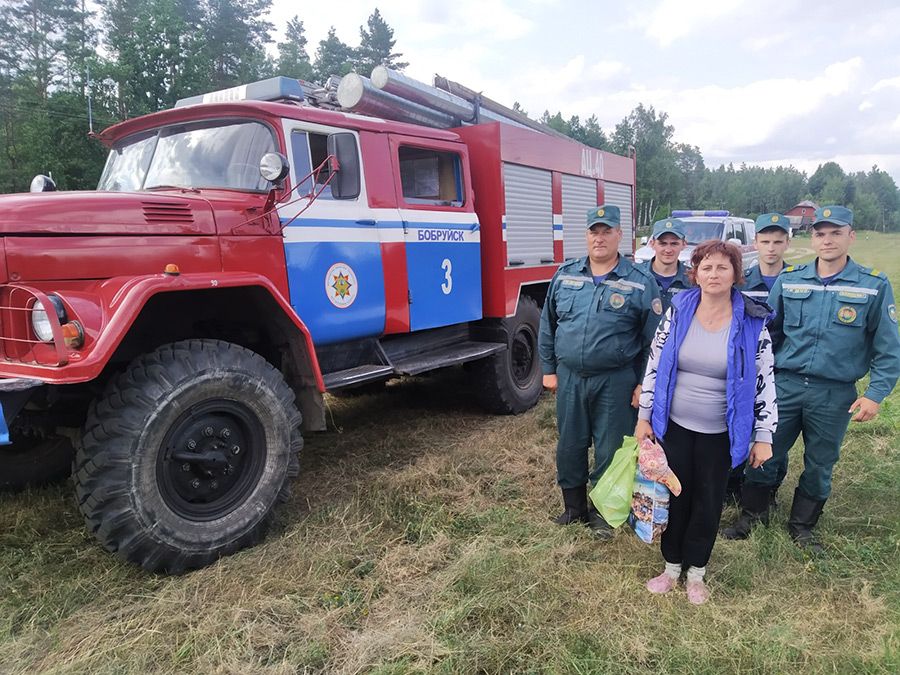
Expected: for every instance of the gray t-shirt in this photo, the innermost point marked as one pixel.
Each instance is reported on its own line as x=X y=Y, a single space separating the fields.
x=698 y=402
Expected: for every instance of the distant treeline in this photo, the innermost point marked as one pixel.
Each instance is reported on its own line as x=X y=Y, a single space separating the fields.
x=142 y=57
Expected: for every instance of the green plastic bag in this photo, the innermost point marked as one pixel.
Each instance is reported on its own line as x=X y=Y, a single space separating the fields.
x=612 y=493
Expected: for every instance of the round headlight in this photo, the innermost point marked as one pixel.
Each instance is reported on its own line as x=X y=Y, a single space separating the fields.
x=40 y=321
x=273 y=166
x=42 y=184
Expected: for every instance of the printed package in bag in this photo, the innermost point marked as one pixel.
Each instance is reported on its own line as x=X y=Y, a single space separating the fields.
x=612 y=493
x=649 y=508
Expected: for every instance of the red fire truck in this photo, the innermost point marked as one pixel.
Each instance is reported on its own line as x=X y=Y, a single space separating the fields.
x=246 y=253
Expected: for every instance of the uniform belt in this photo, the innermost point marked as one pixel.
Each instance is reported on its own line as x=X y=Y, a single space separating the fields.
x=595 y=373
x=810 y=380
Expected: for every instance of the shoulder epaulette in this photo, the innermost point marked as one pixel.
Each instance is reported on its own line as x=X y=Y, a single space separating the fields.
x=644 y=270
x=794 y=268
x=875 y=273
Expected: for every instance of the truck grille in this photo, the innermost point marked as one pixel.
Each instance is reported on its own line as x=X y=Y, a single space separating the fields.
x=167 y=212
x=17 y=339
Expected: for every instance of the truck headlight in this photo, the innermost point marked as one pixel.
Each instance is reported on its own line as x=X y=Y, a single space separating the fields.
x=40 y=321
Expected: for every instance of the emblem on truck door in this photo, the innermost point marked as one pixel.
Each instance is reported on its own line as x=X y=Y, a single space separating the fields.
x=340 y=285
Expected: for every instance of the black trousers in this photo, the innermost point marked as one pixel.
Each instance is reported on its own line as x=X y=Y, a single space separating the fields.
x=702 y=463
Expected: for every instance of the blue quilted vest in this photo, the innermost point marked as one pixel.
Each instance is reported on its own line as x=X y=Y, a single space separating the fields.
x=749 y=317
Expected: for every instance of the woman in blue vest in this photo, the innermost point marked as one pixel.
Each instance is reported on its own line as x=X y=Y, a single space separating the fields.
x=708 y=397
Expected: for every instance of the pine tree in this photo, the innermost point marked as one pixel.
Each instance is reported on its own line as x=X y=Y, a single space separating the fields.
x=376 y=46
x=293 y=61
x=333 y=57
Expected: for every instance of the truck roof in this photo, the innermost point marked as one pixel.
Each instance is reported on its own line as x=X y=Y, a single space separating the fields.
x=272 y=111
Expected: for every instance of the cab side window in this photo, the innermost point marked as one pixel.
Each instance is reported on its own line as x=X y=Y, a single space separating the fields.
x=430 y=176
x=309 y=150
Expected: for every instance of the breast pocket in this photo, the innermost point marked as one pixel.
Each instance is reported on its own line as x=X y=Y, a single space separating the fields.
x=796 y=304
x=850 y=310
x=617 y=300
x=565 y=300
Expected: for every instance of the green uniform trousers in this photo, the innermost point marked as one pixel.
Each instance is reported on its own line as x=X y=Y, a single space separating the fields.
x=818 y=409
x=592 y=407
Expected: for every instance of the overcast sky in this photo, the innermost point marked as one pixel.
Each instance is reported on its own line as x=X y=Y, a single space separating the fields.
x=765 y=82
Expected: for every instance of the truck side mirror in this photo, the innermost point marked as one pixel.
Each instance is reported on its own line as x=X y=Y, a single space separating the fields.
x=345 y=184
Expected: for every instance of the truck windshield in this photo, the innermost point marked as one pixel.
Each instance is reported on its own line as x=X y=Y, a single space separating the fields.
x=209 y=154
x=698 y=232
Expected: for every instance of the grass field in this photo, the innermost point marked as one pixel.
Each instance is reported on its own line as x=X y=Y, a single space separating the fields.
x=419 y=540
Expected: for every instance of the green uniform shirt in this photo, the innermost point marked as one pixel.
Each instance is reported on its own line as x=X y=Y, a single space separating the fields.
x=754 y=286
x=837 y=331
x=679 y=283
x=595 y=329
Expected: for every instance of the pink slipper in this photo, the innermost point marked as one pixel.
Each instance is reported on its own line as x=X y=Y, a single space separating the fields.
x=697 y=592
x=661 y=584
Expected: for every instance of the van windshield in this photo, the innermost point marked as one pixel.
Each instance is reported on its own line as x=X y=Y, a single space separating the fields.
x=209 y=154
x=698 y=232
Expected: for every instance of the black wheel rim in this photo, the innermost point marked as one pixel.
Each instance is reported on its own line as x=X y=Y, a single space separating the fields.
x=522 y=356
x=212 y=459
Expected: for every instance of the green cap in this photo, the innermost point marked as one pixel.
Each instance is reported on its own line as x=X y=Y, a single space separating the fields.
x=605 y=214
x=668 y=226
x=773 y=220
x=836 y=215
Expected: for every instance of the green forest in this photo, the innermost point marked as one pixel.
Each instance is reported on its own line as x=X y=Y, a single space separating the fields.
x=60 y=59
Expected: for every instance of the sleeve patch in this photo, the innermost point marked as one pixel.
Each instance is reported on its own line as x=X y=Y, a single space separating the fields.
x=892 y=312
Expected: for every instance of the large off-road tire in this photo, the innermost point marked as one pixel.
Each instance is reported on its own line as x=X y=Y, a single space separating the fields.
x=186 y=454
x=509 y=383
x=34 y=460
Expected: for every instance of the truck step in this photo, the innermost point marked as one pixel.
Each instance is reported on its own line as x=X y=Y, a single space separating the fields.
x=357 y=375
x=446 y=356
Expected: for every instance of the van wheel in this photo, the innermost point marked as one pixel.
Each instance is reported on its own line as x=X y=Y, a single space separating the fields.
x=509 y=383
x=185 y=456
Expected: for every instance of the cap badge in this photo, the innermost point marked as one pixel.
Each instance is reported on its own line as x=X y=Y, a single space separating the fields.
x=774 y=219
x=827 y=213
x=669 y=224
x=600 y=212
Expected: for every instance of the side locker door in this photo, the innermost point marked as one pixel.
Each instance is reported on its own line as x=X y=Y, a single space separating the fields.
x=441 y=230
x=332 y=249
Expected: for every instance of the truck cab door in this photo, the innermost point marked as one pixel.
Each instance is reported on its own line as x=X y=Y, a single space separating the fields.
x=441 y=231
x=332 y=249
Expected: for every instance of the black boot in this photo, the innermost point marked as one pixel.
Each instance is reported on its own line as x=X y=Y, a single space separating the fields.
x=805 y=514
x=754 y=509
x=598 y=524
x=575 y=503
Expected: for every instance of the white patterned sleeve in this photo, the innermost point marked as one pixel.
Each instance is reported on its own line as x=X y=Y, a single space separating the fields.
x=649 y=384
x=765 y=407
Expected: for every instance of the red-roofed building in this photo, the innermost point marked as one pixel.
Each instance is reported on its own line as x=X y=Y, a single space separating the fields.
x=801 y=216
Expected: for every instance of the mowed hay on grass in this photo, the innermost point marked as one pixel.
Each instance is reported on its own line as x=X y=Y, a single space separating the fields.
x=419 y=539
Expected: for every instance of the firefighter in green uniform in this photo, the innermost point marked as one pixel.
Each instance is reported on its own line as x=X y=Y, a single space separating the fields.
x=773 y=237
x=836 y=320
x=670 y=273
x=598 y=320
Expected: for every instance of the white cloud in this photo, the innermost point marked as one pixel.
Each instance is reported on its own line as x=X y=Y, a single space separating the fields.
x=675 y=19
